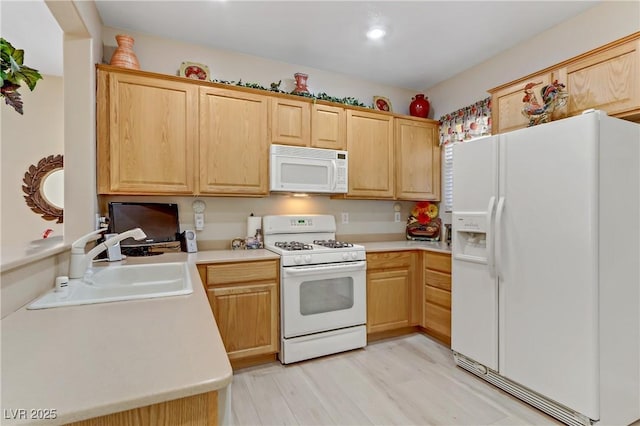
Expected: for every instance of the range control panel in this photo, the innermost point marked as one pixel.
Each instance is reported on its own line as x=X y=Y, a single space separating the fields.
x=301 y=222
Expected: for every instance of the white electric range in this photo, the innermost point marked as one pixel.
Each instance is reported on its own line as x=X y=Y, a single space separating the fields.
x=322 y=287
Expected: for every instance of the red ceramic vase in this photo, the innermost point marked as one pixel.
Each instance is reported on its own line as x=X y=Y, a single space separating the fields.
x=419 y=107
x=301 y=83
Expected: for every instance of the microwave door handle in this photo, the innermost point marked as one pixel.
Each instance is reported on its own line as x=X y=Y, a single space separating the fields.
x=334 y=177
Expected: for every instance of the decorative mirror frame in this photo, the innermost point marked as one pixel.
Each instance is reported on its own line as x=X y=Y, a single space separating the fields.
x=33 y=182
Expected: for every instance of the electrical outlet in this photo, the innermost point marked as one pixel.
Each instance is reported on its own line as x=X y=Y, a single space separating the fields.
x=198 y=219
x=396 y=217
x=345 y=218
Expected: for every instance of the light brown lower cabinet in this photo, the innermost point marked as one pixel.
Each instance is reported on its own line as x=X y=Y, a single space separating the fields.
x=392 y=292
x=200 y=410
x=244 y=298
x=437 y=296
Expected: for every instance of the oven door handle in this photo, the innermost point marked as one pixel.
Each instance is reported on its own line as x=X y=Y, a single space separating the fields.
x=329 y=268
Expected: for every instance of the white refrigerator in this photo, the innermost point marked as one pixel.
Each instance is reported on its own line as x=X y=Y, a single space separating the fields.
x=546 y=266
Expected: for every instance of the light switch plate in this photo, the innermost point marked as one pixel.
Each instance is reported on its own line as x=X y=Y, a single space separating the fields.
x=345 y=218
x=396 y=217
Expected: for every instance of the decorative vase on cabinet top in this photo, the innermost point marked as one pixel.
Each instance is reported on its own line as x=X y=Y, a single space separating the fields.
x=124 y=55
x=419 y=107
x=301 y=83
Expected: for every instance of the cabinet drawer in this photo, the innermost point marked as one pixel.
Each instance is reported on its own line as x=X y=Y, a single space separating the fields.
x=437 y=296
x=438 y=261
x=385 y=260
x=437 y=319
x=242 y=272
x=437 y=279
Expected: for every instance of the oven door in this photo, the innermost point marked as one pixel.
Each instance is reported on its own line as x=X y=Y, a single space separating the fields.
x=325 y=297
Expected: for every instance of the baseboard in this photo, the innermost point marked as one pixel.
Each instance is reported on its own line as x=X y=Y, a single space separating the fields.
x=442 y=338
x=380 y=335
x=237 y=364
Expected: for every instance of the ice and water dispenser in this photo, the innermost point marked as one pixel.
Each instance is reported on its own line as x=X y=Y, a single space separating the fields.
x=469 y=239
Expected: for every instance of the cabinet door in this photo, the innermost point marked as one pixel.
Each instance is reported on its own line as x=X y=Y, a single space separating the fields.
x=370 y=146
x=290 y=122
x=507 y=104
x=394 y=290
x=388 y=300
x=147 y=135
x=417 y=154
x=247 y=317
x=328 y=127
x=234 y=147
x=608 y=80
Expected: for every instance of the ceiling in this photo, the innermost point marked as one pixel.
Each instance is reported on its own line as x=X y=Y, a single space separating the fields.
x=427 y=41
x=30 y=26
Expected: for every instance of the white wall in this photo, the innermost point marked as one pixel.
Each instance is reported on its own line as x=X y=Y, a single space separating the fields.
x=165 y=56
x=80 y=22
x=226 y=217
x=595 y=27
x=25 y=140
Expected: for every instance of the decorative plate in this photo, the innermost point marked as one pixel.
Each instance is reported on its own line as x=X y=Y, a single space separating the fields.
x=432 y=211
x=194 y=70
x=381 y=104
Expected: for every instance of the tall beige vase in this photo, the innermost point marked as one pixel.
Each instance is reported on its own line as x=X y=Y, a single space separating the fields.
x=124 y=55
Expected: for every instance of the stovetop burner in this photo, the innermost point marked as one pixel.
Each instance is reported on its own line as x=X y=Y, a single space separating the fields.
x=333 y=243
x=293 y=245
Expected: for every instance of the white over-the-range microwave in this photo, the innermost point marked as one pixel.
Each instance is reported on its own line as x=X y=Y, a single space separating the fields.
x=308 y=170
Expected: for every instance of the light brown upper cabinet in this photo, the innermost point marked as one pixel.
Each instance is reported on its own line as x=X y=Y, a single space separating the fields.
x=606 y=78
x=328 y=127
x=146 y=134
x=370 y=146
x=234 y=146
x=290 y=122
x=506 y=103
x=417 y=156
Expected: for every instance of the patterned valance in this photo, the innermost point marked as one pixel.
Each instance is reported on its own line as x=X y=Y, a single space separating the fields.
x=466 y=123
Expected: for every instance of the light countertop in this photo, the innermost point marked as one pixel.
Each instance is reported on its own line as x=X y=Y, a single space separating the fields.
x=436 y=246
x=90 y=360
x=16 y=255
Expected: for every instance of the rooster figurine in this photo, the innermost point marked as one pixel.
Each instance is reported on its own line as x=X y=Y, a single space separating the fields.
x=553 y=96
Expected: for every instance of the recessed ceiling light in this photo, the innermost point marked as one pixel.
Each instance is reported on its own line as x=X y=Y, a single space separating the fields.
x=375 y=33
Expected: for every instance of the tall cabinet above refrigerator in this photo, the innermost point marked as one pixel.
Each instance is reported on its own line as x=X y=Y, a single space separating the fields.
x=546 y=266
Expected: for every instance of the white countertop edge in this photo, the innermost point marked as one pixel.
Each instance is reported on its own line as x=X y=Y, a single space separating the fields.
x=382 y=246
x=24 y=259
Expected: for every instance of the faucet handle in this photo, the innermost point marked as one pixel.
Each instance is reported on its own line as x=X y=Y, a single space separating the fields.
x=77 y=247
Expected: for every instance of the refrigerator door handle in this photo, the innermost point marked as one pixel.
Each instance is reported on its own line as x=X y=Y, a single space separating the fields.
x=498 y=238
x=490 y=238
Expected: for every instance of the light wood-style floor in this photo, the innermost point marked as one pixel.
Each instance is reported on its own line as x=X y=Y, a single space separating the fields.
x=409 y=380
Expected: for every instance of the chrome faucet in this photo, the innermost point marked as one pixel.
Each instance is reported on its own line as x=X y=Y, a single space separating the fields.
x=80 y=260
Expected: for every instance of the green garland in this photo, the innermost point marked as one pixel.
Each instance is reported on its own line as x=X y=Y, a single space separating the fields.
x=275 y=87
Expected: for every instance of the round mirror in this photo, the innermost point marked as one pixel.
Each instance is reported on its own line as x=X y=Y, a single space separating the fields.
x=44 y=188
x=53 y=188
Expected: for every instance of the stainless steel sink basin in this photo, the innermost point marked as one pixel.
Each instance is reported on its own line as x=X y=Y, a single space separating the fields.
x=121 y=282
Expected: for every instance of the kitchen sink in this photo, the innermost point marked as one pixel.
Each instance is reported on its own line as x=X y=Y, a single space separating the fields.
x=121 y=282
